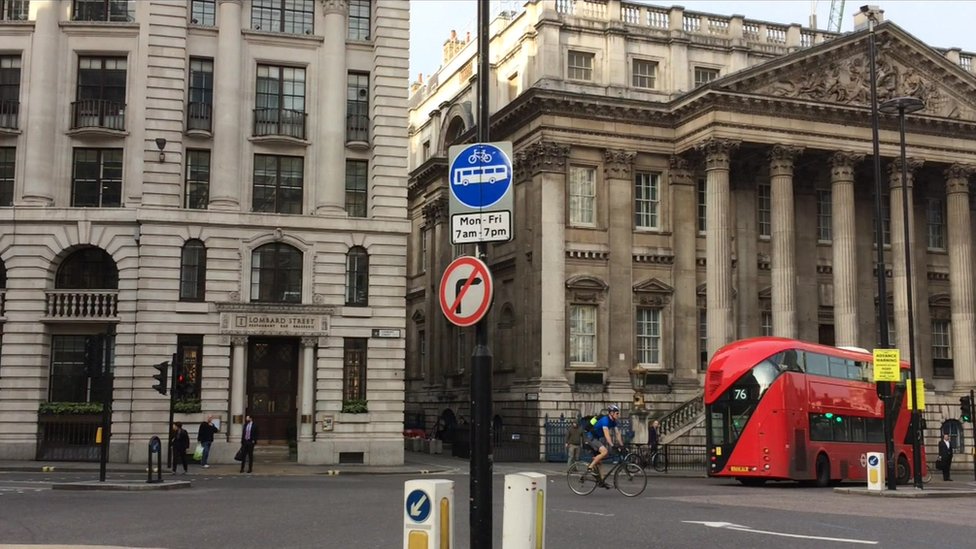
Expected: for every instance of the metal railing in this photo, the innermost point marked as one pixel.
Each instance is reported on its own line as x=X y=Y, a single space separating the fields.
x=199 y=116
x=82 y=304
x=98 y=113
x=68 y=437
x=9 y=114
x=680 y=416
x=685 y=457
x=357 y=127
x=286 y=122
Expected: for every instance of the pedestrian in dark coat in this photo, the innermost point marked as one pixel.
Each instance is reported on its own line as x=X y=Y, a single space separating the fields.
x=181 y=443
x=945 y=456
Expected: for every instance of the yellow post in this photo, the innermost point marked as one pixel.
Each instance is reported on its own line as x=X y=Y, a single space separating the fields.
x=98 y=436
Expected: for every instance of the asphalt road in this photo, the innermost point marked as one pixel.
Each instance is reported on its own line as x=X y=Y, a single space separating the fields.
x=366 y=511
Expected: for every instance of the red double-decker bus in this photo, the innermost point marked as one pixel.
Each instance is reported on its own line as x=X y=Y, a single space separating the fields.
x=782 y=409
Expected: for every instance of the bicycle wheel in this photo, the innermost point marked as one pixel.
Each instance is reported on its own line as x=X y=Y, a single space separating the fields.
x=630 y=480
x=580 y=480
x=660 y=462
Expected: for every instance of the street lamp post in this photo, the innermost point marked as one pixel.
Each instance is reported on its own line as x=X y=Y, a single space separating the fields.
x=903 y=106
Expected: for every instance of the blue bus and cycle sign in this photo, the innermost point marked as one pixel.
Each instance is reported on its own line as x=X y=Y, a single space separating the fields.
x=481 y=192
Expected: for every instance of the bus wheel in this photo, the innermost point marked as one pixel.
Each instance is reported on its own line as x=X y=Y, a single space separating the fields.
x=903 y=471
x=751 y=481
x=823 y=471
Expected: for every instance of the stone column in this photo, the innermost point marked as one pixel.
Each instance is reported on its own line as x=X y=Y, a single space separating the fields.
x=330 y=140
x=685 y=230
x=41 y=112
x=961 y=275
x=546 y=161
x=618 y=176
x=899 y=248
x=307 y=421
x=718 y=241
x=844 y=247
x=229 y=132
x=238 y=399
x=783 y=239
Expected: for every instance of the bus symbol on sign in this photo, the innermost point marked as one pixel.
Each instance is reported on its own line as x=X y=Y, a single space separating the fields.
x=481 y=175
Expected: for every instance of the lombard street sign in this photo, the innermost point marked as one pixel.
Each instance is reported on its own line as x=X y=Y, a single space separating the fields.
x=246 y=319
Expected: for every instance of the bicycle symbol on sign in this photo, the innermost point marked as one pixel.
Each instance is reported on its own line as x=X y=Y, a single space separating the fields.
x=479 y=154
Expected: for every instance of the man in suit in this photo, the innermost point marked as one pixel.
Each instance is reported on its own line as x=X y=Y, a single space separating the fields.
x=945 y=456
x=249 y=438
x=181 y=443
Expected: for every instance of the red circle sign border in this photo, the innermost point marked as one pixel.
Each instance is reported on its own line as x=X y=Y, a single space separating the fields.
x=479 y=267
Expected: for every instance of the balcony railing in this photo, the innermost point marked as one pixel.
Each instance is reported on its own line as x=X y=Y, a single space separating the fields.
x=82 y=304
x=357 y=127
x=285 y=122
x=9 y=114
x=199 y=116
x=98 y=113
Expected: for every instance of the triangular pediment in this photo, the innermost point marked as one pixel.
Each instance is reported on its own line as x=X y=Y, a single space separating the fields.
x=837 y=72
x=653 y=286
x=586 y=282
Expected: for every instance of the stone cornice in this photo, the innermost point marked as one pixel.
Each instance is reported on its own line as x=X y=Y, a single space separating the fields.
x=430 y=171
x=278 y=308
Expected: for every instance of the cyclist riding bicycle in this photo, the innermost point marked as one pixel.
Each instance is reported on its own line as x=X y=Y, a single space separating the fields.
x=601 y=437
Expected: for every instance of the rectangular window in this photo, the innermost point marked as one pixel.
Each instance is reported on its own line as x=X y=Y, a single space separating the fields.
x=203 y=12
x=100 y=95
x=582 y=334
x=287 y=16
x=357 y=107
x=765 y=209
x=766 y=323
x=359 y=11
x=935 y=218
x=580 y=66
x=582 y=195
x=702 y=220
x=704 y=76
x=423 y=250
x=824 y=216
x=14 y=10
x=96 y=178
x=356 y=173
x=702 y=339
x=279 y=101
x=354 y=368
x=513 y=87
x=886 y=219
x=197 y=191
x=278 y=184
x=102 y=10
x=645 y=74
x=646 y=200
x=190 y=349
x=649 y=336
x=70 y=381
x=7 y=165
x=9 y=91
x=199 y=106
x=941 y=339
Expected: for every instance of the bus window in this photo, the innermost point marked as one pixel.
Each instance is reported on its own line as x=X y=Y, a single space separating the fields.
x=838 y=367
x=858 y=433
x=875 y=429
x=820 y=428
x=817 y=364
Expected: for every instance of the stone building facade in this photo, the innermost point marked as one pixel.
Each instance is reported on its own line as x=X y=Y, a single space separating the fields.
x=217 y=181
x=684 y=180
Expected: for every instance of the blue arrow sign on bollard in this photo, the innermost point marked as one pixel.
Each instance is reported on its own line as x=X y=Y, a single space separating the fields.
x=418 y=506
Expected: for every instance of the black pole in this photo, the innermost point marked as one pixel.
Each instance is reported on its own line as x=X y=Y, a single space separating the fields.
x=481 y=458
x=972 y=419
x=105 y=381
x=884 y=387
x=170 y=458
x=916 y=447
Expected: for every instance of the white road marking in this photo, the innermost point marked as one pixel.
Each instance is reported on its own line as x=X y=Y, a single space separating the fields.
x=742 y=528
x=584 y=512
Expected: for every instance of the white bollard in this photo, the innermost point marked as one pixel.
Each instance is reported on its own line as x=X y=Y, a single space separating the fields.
x=876 y=471
x=428 y=514
x=524 y=519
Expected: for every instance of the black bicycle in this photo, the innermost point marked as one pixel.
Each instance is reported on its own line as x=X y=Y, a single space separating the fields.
x=642 y=455
x=626 y=476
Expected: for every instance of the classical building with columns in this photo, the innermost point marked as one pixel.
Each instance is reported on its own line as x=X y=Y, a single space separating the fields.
x=219 y=184
x=683 y=180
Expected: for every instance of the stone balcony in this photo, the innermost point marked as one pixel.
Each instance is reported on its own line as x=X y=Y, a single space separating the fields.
x=81 y=305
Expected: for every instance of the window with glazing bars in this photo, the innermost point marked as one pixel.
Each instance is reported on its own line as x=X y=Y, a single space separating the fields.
x=359 y=19
x=579 y=65
x=8 y=157
x=279 y=103
x=703 y=339
x=357 y=277
x=941 y=339
x=764 y=210
x=704 y=75
x=199 y=108
x=96 y=180
x=203 y=12
x=193 y=271
x=197 y=189
x=582 y=333
x=766 y=323
x=14 y=10
x=646 y=200
x=824 y=216
x=356 y=171
x=100 y=95
x=102 y=10
x=276 y=274
x=582 y=195
x=357 y=107
x=648 y=335
x=935 y=219
x=645 y=74
x=702 y=220
x=287 y=16
x=278 y=184
x=354 y=368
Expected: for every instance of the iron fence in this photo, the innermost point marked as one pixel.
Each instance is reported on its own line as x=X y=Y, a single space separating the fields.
x=68 y=437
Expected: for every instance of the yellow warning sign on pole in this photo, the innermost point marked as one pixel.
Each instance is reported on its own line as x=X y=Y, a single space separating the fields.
x=920 y=397
x=887 y=365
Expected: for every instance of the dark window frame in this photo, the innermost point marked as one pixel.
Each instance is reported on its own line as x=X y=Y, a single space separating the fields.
x=275 y=16
x=10 y=74
x=359 y=24
x=88 y=268
x=100 y=92
x=196 y=192
x=357 y=277
x=108 y=191
x=283 y=273
x=357 y=177
x=190 y=349
x=203 y=12
x=102 y=10
x=354 y=366
x=357 y=106
x=199 y=105
x=269 y=194
x=14 y=10
x=280 y=94
x=193 y=270
x=8 y=171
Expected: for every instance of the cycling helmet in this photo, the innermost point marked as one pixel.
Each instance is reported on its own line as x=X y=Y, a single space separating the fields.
x=613 y=408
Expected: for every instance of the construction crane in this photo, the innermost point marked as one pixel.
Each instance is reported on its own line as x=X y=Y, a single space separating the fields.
x=836 y=15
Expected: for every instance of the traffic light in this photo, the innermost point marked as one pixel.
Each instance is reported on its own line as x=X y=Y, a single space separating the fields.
x=94 y=359
x=161 y=377
x=179 y=378
x=965 y=409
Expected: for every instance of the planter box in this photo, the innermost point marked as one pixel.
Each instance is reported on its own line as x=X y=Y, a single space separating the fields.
x=352 y=418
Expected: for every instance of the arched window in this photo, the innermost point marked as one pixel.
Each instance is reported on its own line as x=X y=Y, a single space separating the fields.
x=357 y=277
x=88 y=269
x=276 y=274
x=193 y=271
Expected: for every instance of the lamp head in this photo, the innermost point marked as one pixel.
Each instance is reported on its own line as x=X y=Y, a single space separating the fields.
x=906 y=105
x=160 y=143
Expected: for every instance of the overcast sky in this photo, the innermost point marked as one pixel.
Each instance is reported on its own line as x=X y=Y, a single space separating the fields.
x=942 y=24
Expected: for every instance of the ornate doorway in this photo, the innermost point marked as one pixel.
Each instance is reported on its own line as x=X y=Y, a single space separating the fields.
x=272 y=387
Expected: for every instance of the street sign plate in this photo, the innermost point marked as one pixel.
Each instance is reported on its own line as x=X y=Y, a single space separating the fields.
x=481 y=182
x=465 y=291
x=481 y=227
x=887 y=365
